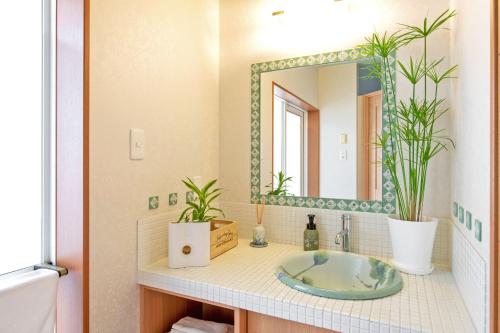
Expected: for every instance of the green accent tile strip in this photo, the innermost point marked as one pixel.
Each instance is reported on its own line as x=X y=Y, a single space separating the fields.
x=172 y=199
x=468 y=220
x=154 y=202
x=478 y=226
x=189 y=196
x=388 y=203
x=458 y=212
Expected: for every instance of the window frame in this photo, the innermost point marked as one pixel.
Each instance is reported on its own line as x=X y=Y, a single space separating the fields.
x=284 y=107
x=47 y=218
x=48 y=130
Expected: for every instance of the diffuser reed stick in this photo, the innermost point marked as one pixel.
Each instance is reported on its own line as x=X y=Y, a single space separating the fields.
x=260 y=206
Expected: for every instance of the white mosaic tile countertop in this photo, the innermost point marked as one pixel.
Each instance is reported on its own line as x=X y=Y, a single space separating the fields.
x=244 y=277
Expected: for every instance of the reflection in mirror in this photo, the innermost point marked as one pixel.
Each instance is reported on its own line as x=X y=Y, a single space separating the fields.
x=318 y=126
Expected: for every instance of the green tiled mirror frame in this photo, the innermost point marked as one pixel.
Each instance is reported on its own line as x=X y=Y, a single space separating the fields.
x=388 y=203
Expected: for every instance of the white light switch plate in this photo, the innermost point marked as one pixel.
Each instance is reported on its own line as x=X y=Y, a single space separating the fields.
x=136 y=144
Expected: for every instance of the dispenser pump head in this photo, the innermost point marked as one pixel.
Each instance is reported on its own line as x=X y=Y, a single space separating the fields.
x=311 y=225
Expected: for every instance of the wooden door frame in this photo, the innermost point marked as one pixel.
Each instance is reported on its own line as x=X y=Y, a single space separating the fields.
x=72 y=163
x=494 y=172
x=367 y=145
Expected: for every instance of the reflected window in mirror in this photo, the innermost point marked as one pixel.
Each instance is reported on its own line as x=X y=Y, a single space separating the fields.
x=324 y=121
x=296 y=141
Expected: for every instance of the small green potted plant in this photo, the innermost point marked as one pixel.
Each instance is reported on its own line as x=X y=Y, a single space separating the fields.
x=189 y=237
x=259 y=232
x=413 y=137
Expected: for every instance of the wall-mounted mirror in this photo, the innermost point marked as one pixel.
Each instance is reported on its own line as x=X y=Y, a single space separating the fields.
x=316 y=119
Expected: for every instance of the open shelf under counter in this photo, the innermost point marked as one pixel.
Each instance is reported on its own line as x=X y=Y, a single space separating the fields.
x=161 y=309
x=240 y=287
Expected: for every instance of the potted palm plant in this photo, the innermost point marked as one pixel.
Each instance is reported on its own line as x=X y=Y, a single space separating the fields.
x=412 y=138
x=189 y=237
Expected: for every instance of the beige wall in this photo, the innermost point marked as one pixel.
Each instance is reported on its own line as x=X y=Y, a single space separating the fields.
x=470 y=97
x=470 y=185
x=337 y=102
x=249 y=34
x=153 y=65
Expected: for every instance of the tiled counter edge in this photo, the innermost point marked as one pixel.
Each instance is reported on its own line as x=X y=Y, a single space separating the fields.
x=427 y=304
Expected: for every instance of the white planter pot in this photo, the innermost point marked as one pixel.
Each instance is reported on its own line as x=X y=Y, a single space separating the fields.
x=412 y=244
x=188 y=244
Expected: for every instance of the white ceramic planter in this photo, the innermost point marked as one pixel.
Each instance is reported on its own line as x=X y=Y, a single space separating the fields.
x=412 y=244
x=188 y=244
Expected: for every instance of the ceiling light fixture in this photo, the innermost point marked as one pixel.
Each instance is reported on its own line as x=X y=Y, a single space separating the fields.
x=282 y=11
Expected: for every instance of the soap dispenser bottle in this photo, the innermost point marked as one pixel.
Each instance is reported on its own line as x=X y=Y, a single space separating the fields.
x=311 y=235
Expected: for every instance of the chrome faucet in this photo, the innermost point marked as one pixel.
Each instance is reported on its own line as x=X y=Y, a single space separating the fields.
x=344 y=235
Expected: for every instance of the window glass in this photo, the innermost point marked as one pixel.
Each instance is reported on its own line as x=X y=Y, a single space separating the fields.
x=294 y=151
x=277 y=134
x=21 y=117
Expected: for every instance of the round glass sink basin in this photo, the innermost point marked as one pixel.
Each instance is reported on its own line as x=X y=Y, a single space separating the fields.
x=339 y=275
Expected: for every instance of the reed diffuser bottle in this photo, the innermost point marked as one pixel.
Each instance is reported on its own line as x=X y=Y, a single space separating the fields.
x=259 y=232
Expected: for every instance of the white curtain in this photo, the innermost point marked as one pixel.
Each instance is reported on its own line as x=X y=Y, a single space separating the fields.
x=28 y=302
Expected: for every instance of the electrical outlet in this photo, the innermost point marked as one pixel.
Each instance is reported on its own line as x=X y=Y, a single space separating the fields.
x=343 y=155
x=154 y=202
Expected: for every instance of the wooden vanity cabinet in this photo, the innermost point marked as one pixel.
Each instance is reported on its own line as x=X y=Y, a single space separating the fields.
x=161 y=309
